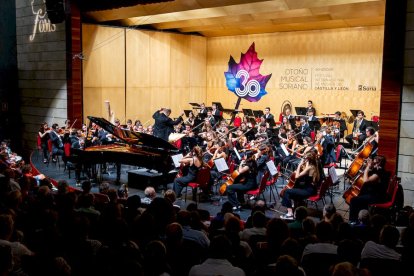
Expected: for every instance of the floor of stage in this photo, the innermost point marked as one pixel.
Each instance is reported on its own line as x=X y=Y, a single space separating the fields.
x=56 y=172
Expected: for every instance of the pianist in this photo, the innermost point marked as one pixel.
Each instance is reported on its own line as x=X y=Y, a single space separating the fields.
x=164 y=125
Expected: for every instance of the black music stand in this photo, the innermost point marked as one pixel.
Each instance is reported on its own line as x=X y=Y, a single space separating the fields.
x=314 y=125
x=258 y=113
x=195 y=105
x=187 y=112
x=248 y=112
x=292 y=122
x=354 y=112
x=301 y=110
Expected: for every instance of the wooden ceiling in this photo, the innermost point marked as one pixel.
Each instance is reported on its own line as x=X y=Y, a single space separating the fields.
x=238 y=17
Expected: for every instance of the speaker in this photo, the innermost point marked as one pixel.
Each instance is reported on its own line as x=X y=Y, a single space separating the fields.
x=55 y=11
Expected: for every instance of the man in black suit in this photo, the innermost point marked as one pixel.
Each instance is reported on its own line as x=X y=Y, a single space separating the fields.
x=270 y=119
x=304 y=128
x=340 y=126
x=57 y=144
x=358 y=131
x=313 y=122
x=216 y=113
x=310 y=108
x=164 y=125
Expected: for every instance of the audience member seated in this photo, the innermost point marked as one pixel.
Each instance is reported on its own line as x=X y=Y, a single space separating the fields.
x=259 y=227
x=382 y=258
x=318 y=257
x=150 y=194
x=295 y=227
x=184 y=218
x=218 y=261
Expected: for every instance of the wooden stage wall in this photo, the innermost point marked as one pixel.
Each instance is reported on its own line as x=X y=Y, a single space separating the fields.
x=162 y=70
x=140 y=71
x=325 y=66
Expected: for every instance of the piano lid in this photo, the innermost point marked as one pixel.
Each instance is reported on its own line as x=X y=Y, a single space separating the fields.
x=131 y=137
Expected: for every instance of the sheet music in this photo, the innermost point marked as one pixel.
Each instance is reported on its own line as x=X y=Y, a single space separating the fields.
x=333 y=175
x=176 y=159
x=272 y=168
x=237 y=153
x=284 y=149
x=221 y=164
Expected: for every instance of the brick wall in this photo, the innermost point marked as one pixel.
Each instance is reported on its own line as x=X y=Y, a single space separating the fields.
x=41 y=57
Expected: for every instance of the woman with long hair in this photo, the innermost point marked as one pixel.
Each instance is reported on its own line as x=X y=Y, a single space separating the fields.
x=44 y=131
x=307 y=179
x=247 y=170
x=195 y=162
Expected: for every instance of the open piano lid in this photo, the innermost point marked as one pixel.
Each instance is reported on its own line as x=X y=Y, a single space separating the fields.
x=134 y=138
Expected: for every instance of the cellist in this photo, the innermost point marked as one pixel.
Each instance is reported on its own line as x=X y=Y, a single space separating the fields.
x=247 y=168
x=374 y=189
x=307 y=177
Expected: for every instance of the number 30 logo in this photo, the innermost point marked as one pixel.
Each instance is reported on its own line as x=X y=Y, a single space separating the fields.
x=251 y=87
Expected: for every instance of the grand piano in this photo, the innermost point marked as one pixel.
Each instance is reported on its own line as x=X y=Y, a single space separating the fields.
x=131 y=148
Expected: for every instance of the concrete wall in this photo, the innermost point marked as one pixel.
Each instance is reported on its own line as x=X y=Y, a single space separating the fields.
x=406 y=152
x=41 y=56
x=9 y=115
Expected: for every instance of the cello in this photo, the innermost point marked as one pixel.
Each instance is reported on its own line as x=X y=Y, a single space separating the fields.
x=235 y=175
x=359 y=159
x=292 y=181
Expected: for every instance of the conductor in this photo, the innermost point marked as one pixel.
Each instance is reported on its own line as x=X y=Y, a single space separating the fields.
x=164 y=125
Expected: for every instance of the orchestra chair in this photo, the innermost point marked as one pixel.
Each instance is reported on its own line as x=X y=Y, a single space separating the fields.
x=320 y=196
x=202 y=180
x=68 y=165
x=39 y=147
x=312 y=135
x=340 y=153
x=278 y=123
x=389 y=207
x=256 y=193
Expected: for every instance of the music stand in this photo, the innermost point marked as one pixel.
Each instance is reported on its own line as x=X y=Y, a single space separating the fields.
x=313 y=125
x=187 y=112
x=195 y=105
x=258 y=113
x=248 y=112
x=219 y=106
x=301 y=110
x=292 y=122
x=354 y=112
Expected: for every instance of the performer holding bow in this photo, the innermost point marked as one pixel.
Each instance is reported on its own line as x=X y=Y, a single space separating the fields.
x=164 y=125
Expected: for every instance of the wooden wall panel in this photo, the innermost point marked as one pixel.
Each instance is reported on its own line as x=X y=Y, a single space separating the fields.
x=104 y=70
x=163 y=70
x=353 y=57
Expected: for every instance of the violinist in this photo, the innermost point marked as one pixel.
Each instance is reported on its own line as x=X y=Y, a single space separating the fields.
x=340 y=126
x=57 y=144
x=248 y=169
x=219 y=152
x=194 y=162
x=150 y=130
x=374 y=189
x=261 y=157
x=263 y=131
x=304 y=127
x=190 y=119
x=210 y=118
x=358 y=131
x=301 y=152
x=137 y=123
x=306 y=179
x=129 y=125
x=328 y=146
x=44 y=137
x=286 y=123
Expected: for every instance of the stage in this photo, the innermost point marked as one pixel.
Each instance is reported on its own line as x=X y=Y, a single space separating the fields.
x=57 y=172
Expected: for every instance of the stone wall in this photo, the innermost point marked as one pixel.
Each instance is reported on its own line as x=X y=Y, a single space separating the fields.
x=41 y=57
x=406 y=151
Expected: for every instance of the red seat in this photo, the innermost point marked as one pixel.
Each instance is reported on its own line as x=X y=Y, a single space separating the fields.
x=201 y=181
x=392 y=194
x=312 y=135
x=375 y=119
x=66 y=148
x=39 y=142
x=321 y=192
x=257 y=192
x=237 y=121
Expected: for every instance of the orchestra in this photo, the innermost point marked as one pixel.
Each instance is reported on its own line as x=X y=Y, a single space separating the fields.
x=300 y=146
